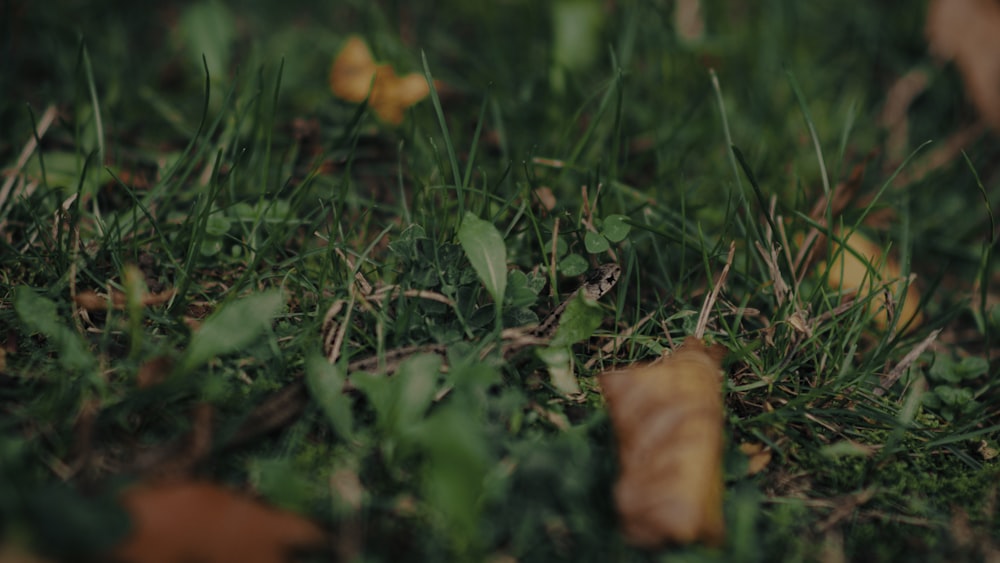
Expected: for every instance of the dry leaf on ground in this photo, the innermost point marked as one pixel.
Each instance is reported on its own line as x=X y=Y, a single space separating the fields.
x=355 y=77
x=667 y=417
x=93 y=301
x=968 y=32
x=689 y=20
x=758 y=456
x=877 y=274
x=195 y=521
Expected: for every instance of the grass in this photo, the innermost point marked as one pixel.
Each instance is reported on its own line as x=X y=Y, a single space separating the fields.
x=195 y=149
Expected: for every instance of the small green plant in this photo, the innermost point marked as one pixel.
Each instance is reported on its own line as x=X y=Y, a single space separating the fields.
x=953 y=390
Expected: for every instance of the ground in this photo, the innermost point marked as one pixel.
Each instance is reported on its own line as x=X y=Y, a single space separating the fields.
x=193 y=225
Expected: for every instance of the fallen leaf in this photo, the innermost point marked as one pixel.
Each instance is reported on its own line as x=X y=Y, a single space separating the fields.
x=987 y=451
x=353 y=70
x=758 y=456
x=154 y=371
x=93 y=301
x=667 y=417
x=197 y=521
x=866 y=271
x=546 y=198
x=354 y=77
x=689 y=20
x=968 y=32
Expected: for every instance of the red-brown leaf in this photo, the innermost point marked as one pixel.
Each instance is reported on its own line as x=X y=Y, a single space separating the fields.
x=197 y=521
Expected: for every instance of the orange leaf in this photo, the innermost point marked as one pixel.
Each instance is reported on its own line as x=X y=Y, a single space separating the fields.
x=353 y=70
x=758 y=456
x=355 y=77
x=192 y=521
x=667 y=417
x=876 y=273
x=92 y=301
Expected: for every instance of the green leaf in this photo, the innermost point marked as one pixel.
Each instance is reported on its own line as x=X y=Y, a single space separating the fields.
x=576 y=32
x=522 y=291
x=234 y=327
x=456 y=467
x=573 y=265
x=943 y=369
x=401 y=401
x=282 y=484
x=595 y=243
x=41 y=315
x=581 y=317
x=487 y=253
x=954 y=396
x=561 y=247
x=972 y=367
x=559 y=362
x=210 y=246
x=217 y=225
x=208 y=29
x=326 y=386
x=64 y=170
x=616 y=228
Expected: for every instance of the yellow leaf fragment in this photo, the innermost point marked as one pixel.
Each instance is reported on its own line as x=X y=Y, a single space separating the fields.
x=876 y=274
x=758 y=456
x=667 y=417
x=353 y=70
x=354 y=77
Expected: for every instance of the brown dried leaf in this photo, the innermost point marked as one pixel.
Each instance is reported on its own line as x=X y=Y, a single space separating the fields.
x=154 y=371
x=667 y=417
x=93 y=301
x=758 y=456
x=689 y=20
x=196 y=521
x=968 y=32
x=877 y=274
x=546 y=198
x=355 y=77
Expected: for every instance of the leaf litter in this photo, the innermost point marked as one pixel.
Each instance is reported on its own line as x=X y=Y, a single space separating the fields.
x=668 y=417
x=200 y=521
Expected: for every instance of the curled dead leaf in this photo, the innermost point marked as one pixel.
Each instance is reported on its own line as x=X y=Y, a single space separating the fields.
x=859 y=266
x=758 y=456
x=196 y=521
x=968 y=32
x=355 y=77
x=667 y=417
x=93 y=301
